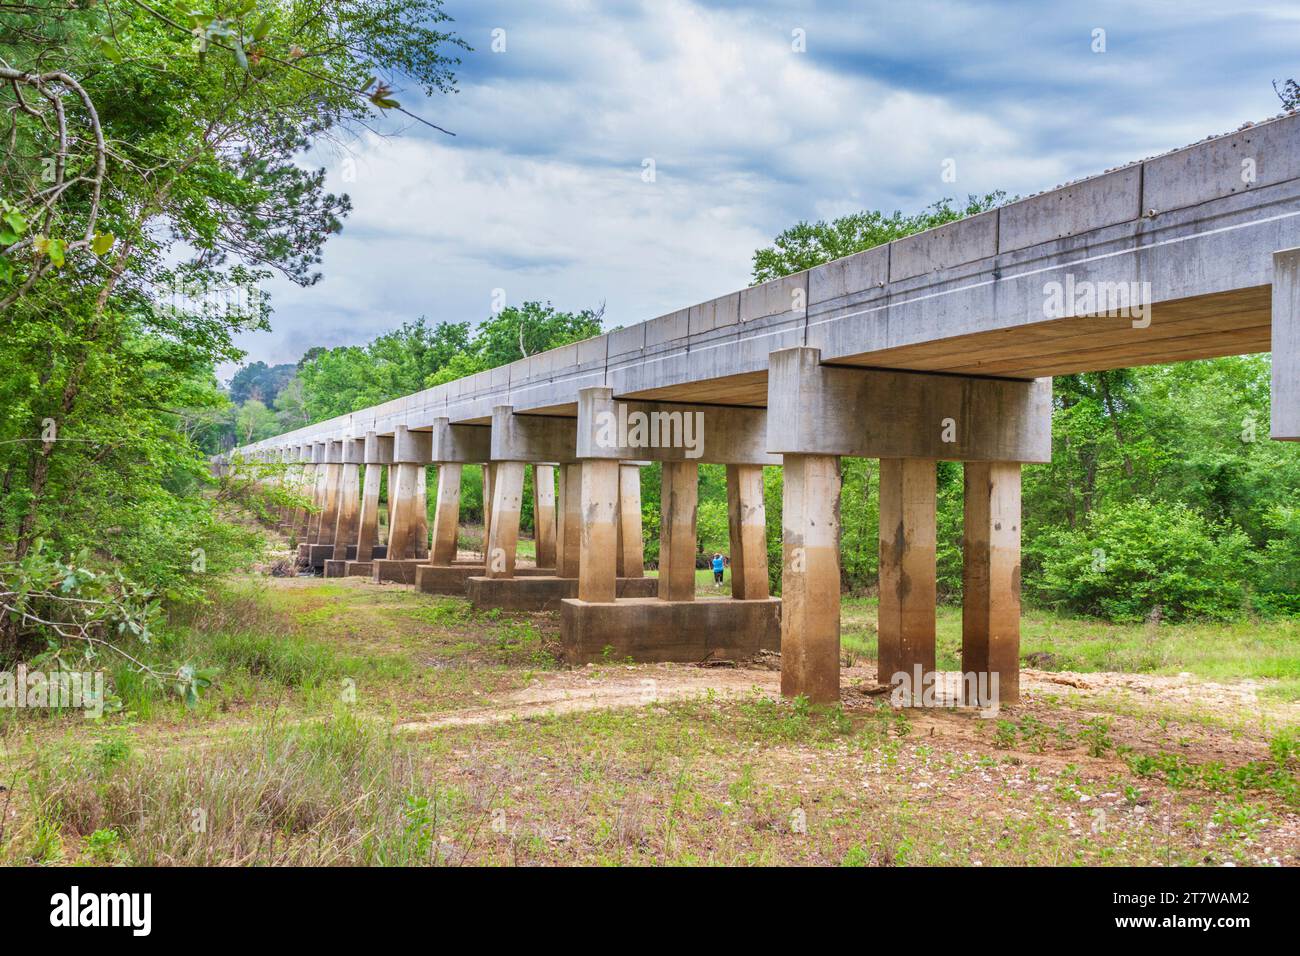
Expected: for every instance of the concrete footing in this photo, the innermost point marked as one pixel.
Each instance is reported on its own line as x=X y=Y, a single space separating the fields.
x=348 y=567
x=650 y=630
x=542 y=593
x=451 y=578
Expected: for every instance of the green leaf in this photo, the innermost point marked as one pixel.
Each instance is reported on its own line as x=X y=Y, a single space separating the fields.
x=16 y=221
x=240 y=56
x=55 y=248
x=108 y=49
x=263 y=27
x=102 y=242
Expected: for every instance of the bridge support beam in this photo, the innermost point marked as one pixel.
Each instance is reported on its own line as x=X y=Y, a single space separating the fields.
x=347 y=526
x=810 y=578
x=597 y=572
x=306 y=487
x=503 y=532
x=990 y=613
x=408 y=531
x=631 y=544
x=378 y=453
x=1286 y=346
x=747 y=529
x=317 y=493
x=679 y=505
x=641 y=618
x=568 y=531
x=908 y=420
x=908 y=592
x=446 y=515
x=544 y=515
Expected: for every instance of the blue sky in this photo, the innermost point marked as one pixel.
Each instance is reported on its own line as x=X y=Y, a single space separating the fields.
x=541 y=193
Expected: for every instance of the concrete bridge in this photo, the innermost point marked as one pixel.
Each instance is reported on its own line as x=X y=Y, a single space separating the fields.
x=938 y=346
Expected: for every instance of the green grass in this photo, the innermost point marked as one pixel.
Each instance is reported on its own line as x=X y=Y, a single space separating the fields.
x=1265 y=650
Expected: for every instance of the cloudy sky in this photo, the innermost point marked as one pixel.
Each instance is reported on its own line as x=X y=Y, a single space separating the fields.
x=543 y=191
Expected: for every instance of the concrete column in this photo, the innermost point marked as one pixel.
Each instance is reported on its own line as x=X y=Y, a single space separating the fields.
x=503 y=534
x=488 y=474
x=348 y=507
x=330 y=502
x=631 y=544
x=568 y=534
x=446 y=516
x=907 y=571
x=677 y=538
x=368 y=520
x=319 y=481
x=597 y=575
x=544 y=514
x=406 y=536
x=990 y=613
x=421 y=513
x=1286 y=345
x=392 y=500
x=306 y=488
x=810 y=578
x=747 y=524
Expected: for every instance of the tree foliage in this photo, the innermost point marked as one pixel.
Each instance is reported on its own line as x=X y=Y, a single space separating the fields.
x=150 y=176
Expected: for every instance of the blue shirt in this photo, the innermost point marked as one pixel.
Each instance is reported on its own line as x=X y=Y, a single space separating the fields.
x=717 y=564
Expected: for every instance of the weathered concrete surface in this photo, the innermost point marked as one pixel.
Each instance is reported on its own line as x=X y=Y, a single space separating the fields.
x=816 y=409
x=347 y=524
x=446 y=515
x=408 y=533
x=451 y=578
x=541 y=592
x=1286 y=345
x=747 y=527
x=368 y=519
x=597 y=574
x=503 y=532
x=532 y=438
x=318 y=554
x=660 y=431
x=348 y=565
x=395 y=570
x=630 y=550
x=568 y=529
x=650 y=630
x=990 y=612
x=678 y=503
x=810 y=578
x=544 y=515
x=906 y=620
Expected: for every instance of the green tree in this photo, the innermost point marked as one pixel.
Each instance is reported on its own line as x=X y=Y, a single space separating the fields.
x=808 y=244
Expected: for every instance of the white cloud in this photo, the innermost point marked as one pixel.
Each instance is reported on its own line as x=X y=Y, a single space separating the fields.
x=540 y=193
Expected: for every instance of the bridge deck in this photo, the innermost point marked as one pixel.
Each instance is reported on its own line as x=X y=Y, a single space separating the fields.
x=1194 y=229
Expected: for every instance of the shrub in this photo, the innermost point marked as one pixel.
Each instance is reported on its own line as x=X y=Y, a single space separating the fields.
x=1134 y=557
